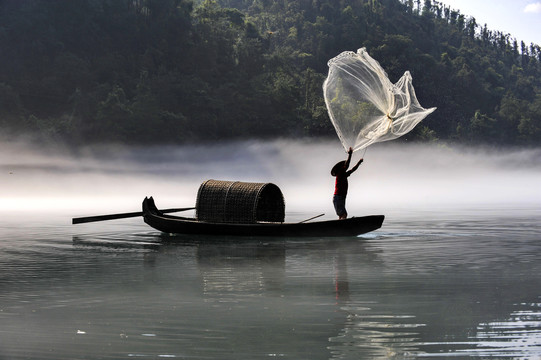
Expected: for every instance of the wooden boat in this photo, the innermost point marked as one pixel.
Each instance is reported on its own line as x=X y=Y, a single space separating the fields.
x=234 y=208
x=330 y=228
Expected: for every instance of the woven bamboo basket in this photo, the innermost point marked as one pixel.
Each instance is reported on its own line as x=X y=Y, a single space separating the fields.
x=239 y=202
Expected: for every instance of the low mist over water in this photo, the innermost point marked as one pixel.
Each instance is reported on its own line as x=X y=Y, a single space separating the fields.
x=392 y=175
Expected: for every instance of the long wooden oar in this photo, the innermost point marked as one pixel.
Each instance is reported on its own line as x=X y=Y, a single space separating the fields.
x=88 y=219
x=312 y=218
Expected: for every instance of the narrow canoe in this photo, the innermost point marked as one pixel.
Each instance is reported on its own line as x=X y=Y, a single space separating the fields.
x=330 y=228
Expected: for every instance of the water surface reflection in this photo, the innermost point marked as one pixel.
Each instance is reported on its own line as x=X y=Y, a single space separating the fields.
x=419 y=288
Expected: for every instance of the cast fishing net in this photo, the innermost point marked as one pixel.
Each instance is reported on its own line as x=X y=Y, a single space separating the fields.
x=364 y=106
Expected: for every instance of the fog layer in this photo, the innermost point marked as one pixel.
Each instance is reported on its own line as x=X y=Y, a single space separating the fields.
x=393 y=176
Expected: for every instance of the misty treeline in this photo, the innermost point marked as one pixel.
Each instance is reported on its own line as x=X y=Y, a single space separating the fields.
x=172 y=71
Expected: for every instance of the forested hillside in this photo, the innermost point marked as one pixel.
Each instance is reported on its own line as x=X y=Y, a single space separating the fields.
x=171 y=71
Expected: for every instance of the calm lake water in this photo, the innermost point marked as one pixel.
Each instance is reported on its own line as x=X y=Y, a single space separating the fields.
x=454 y=281
x=452 y=284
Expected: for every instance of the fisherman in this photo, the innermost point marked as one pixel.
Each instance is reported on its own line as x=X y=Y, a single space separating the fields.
x=340 y=170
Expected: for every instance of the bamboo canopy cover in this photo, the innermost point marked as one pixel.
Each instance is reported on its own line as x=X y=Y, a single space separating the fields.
x=239 y=202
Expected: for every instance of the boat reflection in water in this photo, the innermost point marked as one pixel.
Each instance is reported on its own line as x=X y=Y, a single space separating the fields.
x=231 y=271
x=314 y=298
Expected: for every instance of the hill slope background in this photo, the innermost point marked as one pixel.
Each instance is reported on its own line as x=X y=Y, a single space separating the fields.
x=174 y=71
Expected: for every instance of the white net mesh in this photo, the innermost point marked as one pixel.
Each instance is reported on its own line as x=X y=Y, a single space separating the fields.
x=364 y=106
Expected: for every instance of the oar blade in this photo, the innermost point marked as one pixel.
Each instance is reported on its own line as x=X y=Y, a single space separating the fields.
x=95 y=218
x=87 y=219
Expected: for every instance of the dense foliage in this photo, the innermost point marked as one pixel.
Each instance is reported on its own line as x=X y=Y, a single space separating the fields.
x=155 y=71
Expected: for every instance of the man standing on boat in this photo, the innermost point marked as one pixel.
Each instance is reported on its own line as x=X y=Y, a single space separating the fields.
x=341 y=172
